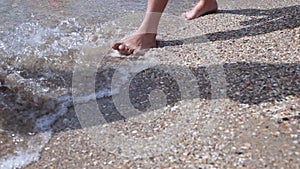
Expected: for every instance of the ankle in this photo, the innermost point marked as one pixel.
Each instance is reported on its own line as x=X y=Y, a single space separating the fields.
x=210 y=3
x=146 y=35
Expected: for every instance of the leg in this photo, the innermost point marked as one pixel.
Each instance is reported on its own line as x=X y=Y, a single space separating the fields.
x=203 y=7
x=145 y=37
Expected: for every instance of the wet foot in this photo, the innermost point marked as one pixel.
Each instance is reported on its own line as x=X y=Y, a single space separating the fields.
x=136 y=44
x=202 y=8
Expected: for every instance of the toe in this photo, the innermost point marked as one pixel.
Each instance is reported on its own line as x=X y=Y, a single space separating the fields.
x=187 y=16
x=122 y=47
x=184 y=15
x=125 y=50
x=116 y=46
x=128 y=51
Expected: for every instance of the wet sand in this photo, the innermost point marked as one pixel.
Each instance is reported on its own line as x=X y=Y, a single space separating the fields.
x=222 y=91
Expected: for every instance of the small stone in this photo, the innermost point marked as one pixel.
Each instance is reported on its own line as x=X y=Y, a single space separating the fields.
x=31 y=133
x=239 y=153
x=247 y=145
x=294 y=135
x=136 y=157
x=186 y=153
x=285 y=119
x=279 y=121
x=293 y=107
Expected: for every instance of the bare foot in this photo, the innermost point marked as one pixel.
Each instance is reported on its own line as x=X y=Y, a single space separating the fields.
x=136 y=44
x=202 y=8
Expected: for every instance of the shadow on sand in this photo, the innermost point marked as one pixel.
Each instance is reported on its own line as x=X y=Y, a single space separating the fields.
x=269 y=21
x=248 y=83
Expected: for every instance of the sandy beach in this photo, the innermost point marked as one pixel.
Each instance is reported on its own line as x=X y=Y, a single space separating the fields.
x=221 y=91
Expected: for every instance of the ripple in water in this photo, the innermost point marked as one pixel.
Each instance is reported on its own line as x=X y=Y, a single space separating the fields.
x=35 y=75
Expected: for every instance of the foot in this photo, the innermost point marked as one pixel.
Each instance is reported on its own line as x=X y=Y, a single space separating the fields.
x=202 y=8
x=136 y=44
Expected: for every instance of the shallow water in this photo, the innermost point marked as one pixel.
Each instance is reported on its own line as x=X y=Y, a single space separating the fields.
x=40 y=42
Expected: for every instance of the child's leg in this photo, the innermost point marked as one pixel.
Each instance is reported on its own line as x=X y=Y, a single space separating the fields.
x=145 y=37
x=203 y=7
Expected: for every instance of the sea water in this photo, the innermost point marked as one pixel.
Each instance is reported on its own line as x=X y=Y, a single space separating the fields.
x=40 y=42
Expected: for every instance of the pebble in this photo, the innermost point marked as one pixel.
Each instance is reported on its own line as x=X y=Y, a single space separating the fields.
x=246 y=146
x=294 y=135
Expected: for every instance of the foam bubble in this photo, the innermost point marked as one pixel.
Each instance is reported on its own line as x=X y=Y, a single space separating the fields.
x=23 y=157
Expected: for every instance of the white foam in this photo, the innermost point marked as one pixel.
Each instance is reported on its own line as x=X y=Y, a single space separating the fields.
x=34 y=40
x=23 y=157
x=44 y=123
